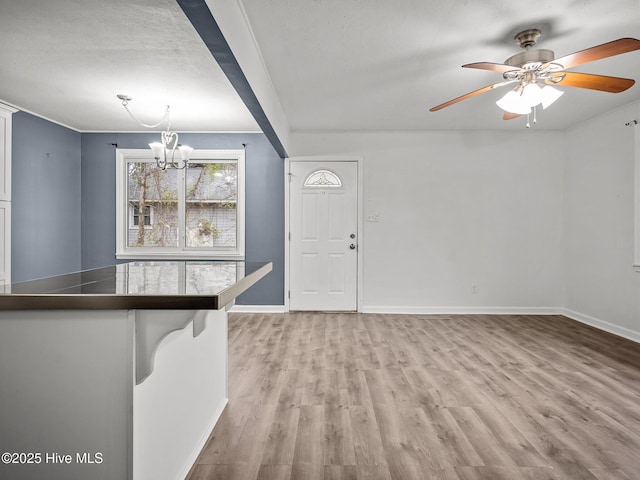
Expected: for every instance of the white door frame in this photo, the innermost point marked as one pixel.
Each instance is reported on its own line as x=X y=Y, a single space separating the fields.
x=287 y=200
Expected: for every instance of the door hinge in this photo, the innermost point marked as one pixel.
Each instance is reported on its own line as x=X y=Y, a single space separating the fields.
x=290 y=175
x=288 y=293
x=289 y=236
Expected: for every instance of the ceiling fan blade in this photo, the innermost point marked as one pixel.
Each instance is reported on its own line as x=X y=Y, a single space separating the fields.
x=494 y=67
x=590 y=81
x=610 y=49
x=469 y=95
x=510 y=116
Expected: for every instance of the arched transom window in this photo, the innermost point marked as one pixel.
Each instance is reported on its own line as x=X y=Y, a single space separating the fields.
x=322 y=179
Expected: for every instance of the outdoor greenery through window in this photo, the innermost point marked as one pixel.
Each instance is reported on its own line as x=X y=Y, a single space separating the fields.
x=192 y=212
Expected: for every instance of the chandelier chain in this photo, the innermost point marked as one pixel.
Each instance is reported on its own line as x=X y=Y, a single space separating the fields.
x=165 y=118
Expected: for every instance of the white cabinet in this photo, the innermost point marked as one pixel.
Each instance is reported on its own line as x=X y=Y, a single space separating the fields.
x=5 y=192
x=5 y=152
x=5 y=242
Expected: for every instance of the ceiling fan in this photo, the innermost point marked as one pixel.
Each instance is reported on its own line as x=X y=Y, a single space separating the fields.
x=536 y=71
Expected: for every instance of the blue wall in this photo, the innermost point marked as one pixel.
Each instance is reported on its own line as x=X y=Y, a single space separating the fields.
x=64 y=205
x=264 y=201
x=46 y=196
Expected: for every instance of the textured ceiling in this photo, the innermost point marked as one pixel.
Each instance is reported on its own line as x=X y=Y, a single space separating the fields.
x=335 y=65
x=379 y=65
x=67 y=59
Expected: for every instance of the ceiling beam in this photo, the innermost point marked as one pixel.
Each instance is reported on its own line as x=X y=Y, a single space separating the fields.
x=202 y=20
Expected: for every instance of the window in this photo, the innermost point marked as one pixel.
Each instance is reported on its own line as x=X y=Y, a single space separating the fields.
x=134 y=209
x=197 y=212
x=322 y=179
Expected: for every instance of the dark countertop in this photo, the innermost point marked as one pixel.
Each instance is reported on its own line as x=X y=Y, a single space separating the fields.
x=171 y=285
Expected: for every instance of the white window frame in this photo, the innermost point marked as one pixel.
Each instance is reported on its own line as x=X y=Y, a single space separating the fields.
x=123 y=251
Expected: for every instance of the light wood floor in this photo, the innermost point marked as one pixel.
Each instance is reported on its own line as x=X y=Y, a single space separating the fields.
x=358 y=396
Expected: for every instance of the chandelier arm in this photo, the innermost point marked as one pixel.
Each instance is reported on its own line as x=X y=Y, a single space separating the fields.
x=173 y=158
x=170 y=143
x=176 y=165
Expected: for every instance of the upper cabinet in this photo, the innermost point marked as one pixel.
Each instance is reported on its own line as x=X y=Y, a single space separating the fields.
x=5 y=193
x=5 y=152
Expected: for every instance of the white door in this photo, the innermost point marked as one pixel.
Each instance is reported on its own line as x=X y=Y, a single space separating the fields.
x=323 y=221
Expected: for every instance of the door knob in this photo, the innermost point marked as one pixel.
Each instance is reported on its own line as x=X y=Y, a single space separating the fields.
x=352 y=246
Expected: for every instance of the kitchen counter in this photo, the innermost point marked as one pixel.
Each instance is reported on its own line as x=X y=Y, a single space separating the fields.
x=117 y=372
x=138 y=285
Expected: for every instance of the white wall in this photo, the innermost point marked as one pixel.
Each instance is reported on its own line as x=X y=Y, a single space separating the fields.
x=457 y=209
x=600 y=285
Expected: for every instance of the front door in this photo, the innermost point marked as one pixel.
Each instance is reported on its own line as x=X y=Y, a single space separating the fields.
x=323 y=220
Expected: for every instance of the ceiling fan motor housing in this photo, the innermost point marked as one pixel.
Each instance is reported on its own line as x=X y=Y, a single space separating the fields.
x=528 y=38
x=530 y=58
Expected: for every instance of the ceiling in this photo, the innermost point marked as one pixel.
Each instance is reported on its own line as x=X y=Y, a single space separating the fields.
x=335 y=65
x=66 y=60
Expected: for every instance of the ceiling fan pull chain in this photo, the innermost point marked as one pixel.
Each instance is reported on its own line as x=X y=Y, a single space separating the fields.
x=528 y=124
x=535 y=114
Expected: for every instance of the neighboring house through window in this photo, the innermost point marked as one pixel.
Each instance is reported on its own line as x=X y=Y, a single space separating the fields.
x=196 y=212
x=134 y=209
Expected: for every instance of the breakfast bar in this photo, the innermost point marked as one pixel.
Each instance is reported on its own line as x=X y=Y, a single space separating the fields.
x=116 y=372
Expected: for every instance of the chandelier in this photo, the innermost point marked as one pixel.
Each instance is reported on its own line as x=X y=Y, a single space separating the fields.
x=164 y=152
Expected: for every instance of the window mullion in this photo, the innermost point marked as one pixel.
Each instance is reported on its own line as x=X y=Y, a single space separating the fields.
x=182 y=208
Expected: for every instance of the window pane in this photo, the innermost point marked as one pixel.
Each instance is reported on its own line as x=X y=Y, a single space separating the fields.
x=212 y=193
x=152 y=189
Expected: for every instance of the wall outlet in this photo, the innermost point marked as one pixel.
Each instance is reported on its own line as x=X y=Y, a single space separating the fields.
x=474 y=288
x=373 y=217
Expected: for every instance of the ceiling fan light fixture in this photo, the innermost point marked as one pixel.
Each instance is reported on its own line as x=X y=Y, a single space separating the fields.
x=514 y=102
x=550 y=95
x=532 y=94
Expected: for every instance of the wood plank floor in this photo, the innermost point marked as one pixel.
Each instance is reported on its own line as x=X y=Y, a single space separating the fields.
x=463 y=397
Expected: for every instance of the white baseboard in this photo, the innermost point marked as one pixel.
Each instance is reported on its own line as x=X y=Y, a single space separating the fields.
x=422 y=310
x=257 y=309
x=602 y=325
